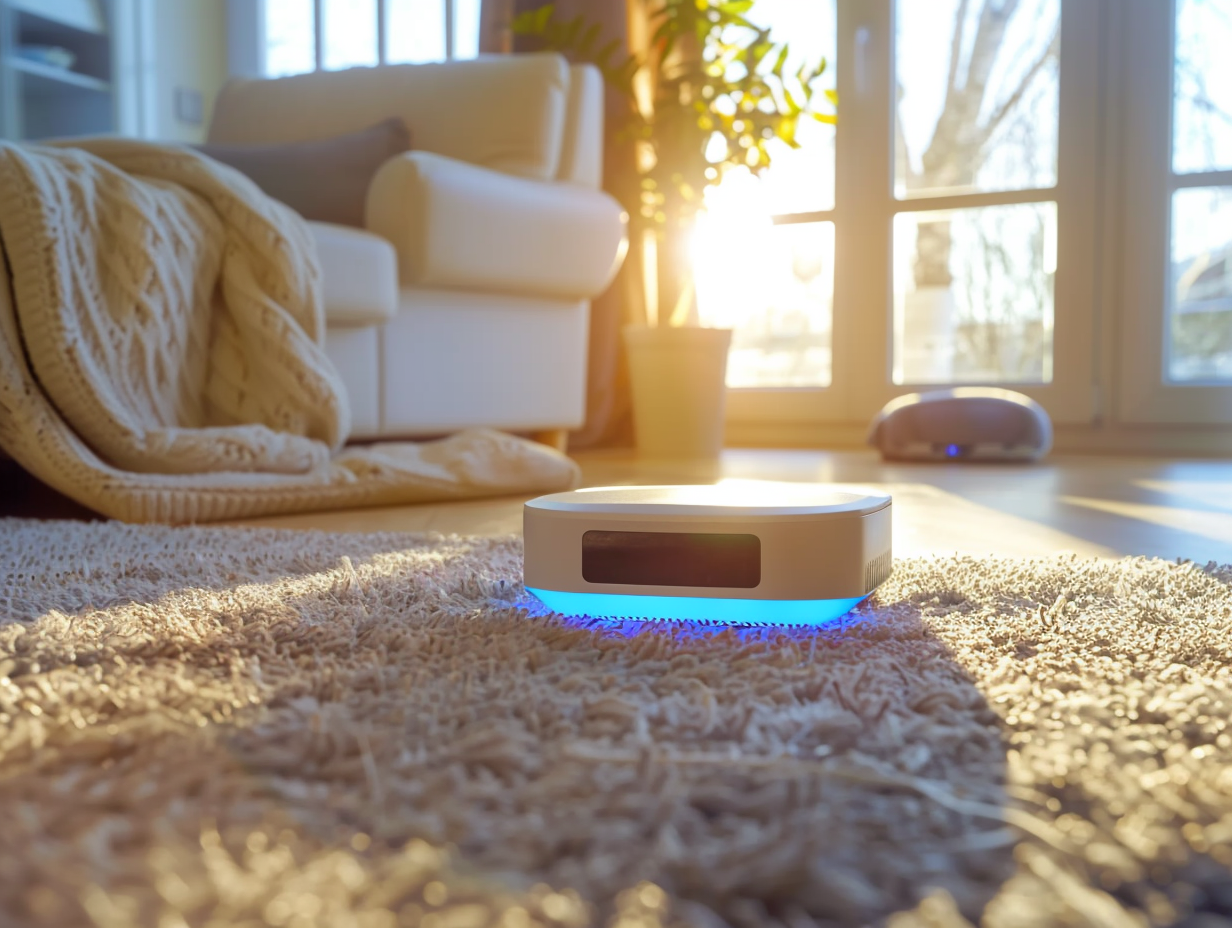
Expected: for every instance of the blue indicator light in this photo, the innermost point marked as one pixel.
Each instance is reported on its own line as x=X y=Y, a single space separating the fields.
x=953 y=451
x=805 y=613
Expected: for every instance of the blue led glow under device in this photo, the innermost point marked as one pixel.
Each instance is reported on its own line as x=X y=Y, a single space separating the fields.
x=735 y=553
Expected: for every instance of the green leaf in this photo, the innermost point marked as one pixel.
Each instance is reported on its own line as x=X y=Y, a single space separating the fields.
x=780 y=61
x=663 y=31
x=604 y=54
x=756 y=53
x=741 y=21
x=533 y=22
x=628 y=68
x=570 y=32
x=735 y=7
x=587 y=42
x=702 y=29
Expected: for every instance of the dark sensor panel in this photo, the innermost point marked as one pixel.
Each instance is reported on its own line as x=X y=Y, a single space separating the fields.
x=672 y=559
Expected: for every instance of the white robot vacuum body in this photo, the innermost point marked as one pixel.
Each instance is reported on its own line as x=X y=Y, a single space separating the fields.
x=744 y=554
x=962 y=424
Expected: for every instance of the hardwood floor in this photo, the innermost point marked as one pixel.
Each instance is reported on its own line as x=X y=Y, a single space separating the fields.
x=1093 y=506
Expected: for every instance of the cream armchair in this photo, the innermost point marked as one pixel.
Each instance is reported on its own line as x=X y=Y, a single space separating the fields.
x=465 y=302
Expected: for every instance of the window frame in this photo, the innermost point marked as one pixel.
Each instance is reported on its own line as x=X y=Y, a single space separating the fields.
x=247 y=46
x=1147 y=32
x=864 y=211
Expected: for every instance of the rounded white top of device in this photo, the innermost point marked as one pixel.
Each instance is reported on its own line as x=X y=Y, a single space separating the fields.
x=730 y=499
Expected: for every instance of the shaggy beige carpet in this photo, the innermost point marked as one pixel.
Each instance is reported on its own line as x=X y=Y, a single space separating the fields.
x=235 y=727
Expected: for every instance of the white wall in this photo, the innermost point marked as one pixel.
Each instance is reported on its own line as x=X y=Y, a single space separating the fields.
x=181 y=46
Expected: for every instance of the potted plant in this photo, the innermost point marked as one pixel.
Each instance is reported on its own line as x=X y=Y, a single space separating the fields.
x=711 y=94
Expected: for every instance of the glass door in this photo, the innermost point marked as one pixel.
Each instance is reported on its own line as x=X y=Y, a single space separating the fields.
x=959 y=208
x=1177 y=345
x=764 y=251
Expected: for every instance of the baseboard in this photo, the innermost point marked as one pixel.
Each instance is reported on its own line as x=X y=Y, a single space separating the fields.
x=1195 y=441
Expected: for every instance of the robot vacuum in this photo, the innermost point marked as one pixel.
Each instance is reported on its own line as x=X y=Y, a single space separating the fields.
x=963 y=424
x=729 y=554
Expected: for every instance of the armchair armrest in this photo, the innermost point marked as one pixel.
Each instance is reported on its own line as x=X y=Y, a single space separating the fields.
x=459 y=226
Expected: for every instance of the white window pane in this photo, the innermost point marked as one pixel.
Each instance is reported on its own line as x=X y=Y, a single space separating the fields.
x=289 y=37
x=973 y=294
x=1200 y=346
x=416 y=31
x=986 y=120
x=466 y=28
x=774 y=285
x=1202 y=119
x=349 y=31
x=802 y=179
x=785 y=342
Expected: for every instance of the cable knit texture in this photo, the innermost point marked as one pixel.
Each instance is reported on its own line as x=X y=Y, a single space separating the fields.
x=161 y=352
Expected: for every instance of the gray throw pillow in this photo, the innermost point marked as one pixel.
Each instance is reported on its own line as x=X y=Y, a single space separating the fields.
x=325 y=180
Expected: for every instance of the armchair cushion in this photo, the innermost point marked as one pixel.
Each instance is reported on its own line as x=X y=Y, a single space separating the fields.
x=325 y=180
x=360 y=276
x=506 y=112
x=463 y=227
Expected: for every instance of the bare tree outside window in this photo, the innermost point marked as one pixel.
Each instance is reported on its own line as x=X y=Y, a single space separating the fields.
x=1202 y=87
x=970 y=310
x=290 y=40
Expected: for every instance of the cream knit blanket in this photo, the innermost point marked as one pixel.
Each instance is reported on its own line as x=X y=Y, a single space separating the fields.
x=161 y=350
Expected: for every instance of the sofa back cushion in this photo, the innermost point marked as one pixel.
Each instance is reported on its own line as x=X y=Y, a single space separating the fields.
x=325 y=180
x=504 y=112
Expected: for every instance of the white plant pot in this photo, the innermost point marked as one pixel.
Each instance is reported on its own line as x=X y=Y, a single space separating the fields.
x=678 y=378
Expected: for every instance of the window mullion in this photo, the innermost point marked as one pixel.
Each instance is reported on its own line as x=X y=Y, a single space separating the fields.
x=927 y=204
x=863 y=246
x=449 y=14
x=1202 y=179
x=1146 y=71
x=1070 y=396
x=382 y=31
x=787 y=219
x=318 y=34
